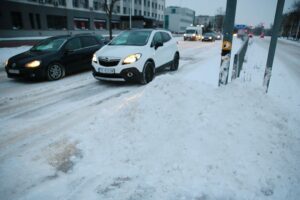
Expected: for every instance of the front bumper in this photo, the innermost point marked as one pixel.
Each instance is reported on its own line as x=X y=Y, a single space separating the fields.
x=25 y=72
x=129 y=74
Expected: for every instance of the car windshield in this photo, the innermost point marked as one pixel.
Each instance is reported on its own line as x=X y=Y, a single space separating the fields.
x=131 y=38
x=51 y=44
x=190 y=31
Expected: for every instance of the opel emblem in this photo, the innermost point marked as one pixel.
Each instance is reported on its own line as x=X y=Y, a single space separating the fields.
x=14 y=65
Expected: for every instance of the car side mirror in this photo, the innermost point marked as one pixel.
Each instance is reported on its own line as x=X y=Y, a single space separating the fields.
x=158 y=44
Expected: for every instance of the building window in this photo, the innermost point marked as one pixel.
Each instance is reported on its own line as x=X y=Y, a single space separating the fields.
x=56 y=3
x=173 y=11
x=75 y=3
x=135 y=11
x=140 y=13
x=148 y=14
x=56 y=22
x=31 y=18
x=62 y=2
x=81 y=3
x=124 y=10
x=100 y=24
x=118 y=9
x=38 y=21
x=81 y=23
x=115 y=24
x=149 y=4
x=145 y=13
x=16 y=19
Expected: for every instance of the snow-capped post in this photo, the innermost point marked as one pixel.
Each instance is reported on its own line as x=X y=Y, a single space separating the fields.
x=272 y=48
x=228 y=26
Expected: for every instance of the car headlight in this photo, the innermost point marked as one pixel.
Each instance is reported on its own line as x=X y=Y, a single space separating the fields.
x=132 y=58
x=194 y=34
x=184 y=35
x=94 y=58
x=6 y=62
x=210 y=38
x=33 y=64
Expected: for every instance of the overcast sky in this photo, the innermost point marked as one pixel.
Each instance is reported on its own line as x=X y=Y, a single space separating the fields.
x=250 y=12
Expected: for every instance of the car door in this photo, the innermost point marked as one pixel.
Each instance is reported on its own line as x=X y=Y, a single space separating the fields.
x=89 y=46
x=159 y=54
x=72 y=55
x=168 y=46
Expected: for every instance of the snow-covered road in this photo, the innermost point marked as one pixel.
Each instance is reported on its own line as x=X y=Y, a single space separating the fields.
x=179 y=137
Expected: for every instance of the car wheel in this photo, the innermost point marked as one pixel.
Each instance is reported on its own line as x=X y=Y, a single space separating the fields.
x=148 y=73
x=55 y=72
x=175 y=62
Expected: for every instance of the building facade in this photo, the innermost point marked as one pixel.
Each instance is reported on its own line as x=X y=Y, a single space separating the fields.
x=178 y=18
x=52 y=17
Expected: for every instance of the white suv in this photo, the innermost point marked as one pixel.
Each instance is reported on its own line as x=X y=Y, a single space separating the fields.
x=136 y=55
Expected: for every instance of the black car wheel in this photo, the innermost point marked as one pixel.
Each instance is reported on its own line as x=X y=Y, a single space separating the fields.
x=175 y=62
x=148 y=73
x=55 y=71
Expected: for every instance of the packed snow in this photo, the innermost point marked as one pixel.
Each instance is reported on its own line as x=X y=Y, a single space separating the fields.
x=179 y=137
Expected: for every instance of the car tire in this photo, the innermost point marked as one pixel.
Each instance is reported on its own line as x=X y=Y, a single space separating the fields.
x=148 y=73
x=175 y=62
x=55 y=71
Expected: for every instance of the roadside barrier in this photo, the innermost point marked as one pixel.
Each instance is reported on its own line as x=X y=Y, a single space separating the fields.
x=239 y=59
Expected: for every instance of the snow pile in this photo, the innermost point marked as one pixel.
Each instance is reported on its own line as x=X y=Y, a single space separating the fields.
x=178 y=138
x=6 y=53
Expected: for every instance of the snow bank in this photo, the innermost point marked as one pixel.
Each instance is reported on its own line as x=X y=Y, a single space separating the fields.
x=6 y=53
x=179 y=137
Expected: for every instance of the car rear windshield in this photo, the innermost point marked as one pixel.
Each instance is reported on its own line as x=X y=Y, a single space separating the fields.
x=190 y=31
x=131 y=38
x=51 y=44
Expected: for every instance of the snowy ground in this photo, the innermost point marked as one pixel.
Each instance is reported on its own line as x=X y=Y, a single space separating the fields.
x=179 y=137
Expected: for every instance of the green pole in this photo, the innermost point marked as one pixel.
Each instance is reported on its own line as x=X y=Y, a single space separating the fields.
x=272 y=48
x=227 y=41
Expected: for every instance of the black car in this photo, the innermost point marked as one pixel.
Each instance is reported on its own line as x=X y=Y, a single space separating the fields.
x=209 y=37
x=54 y=57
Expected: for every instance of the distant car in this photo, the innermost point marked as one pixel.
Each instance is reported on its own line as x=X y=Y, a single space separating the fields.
x=262 y=35
x=136 y=55
x=218 y=36
x=250 y=35
x=209 y=37
x=54 y=57
x=193 y=33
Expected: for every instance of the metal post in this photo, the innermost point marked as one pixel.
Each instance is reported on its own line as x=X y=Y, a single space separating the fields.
x=297 y=30
x=227 y=41
x=272 y=48
x=130 y=10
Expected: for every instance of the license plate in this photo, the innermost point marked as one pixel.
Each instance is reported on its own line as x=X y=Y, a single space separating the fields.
x=106 y=70
x=14 y=71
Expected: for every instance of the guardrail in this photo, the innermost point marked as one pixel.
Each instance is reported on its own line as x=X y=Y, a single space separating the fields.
x=239 y=58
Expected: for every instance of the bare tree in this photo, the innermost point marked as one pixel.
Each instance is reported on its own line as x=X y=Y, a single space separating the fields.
x=219 y=19
x=108 y=6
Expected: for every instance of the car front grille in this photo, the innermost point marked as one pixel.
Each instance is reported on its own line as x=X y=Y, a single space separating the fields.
x=108 y=62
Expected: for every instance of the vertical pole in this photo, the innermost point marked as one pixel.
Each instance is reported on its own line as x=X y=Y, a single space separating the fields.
x=297 y=30
x=130 y=10
x=227 y=41
x=272 y=48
